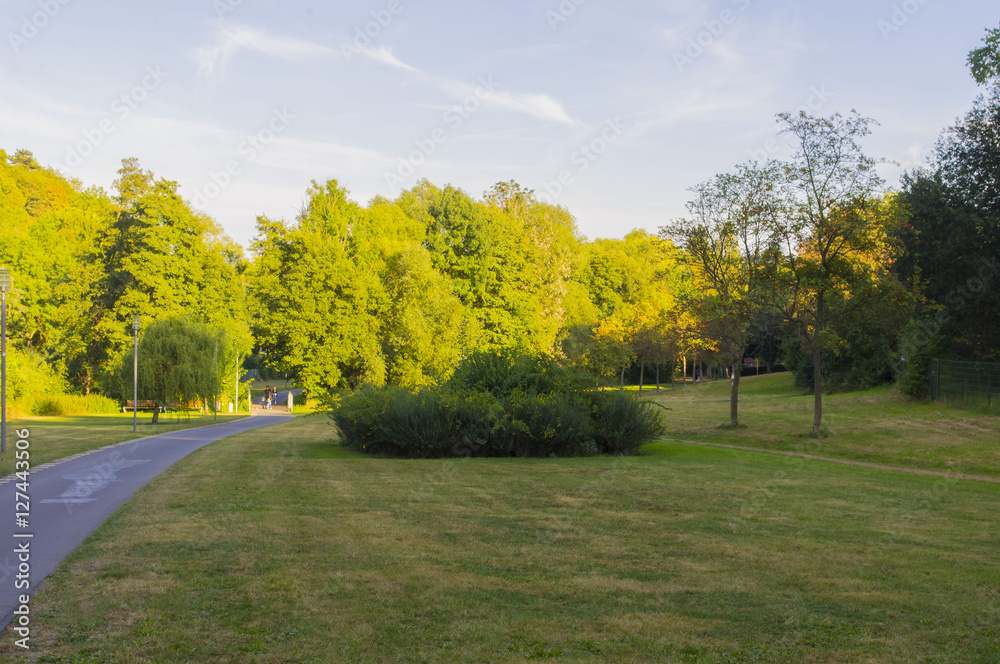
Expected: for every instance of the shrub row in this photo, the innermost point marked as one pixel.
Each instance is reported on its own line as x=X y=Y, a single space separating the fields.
x=497 y=405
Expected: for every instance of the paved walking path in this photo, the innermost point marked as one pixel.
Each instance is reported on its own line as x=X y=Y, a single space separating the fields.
x=69 y=499
x=279 y=403
x=845 y=462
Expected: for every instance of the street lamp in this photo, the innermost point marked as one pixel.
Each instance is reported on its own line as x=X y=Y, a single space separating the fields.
x=4 y=287
x=135 y=369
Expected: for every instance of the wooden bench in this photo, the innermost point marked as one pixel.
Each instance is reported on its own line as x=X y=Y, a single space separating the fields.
x=141 y=404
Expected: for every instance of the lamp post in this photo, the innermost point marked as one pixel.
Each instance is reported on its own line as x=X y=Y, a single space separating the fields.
x=4 y=287
x=135 y=369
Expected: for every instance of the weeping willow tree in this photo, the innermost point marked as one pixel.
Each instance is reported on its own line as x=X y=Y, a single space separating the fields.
x=176 y=363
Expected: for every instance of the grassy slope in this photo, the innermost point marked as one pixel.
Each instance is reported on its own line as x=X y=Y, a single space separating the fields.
x=57 y=437
x=878 y=426
x=276 y=546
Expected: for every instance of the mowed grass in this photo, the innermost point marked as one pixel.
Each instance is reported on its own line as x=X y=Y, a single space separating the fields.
x=57 y=437
x=876 y=426
x=280 y=546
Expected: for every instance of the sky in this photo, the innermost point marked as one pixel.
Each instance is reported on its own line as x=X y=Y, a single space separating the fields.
x=611 y=109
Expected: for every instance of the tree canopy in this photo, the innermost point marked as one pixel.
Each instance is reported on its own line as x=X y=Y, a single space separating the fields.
x=813 y=260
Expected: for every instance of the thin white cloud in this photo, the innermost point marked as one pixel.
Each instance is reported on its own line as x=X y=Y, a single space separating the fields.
x=229 y=40
x=491 y=93
x=385 y=56
x=539 y=106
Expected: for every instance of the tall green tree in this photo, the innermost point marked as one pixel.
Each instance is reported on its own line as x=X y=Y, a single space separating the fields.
x=729 y=238
x=834 y=238
x=50 y=228
x=176 y=364
x=315 y=293
x=158 y=258
x=952 y=242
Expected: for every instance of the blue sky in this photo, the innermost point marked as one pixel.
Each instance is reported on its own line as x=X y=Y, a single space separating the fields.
x=612 y=109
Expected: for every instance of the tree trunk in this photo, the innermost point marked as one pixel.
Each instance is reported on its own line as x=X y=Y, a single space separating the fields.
x=818 y=388
x=642 y=371
x=734 y=397
x=817 y=351
x=684 y=378
x=621 y=381
x=156 y=411
x=673 y=374
x=657 y=376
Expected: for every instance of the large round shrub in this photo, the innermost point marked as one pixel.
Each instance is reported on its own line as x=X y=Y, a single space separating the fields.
x=503 y=403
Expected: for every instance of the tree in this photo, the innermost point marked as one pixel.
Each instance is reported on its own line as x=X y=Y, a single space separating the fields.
x=315 y=297
x=158 y=258
x=985 y=60
x=952 y=242
x=729 y=239
x=610 y=353
x=50 y=228
x=176 y=363
x=833 y=234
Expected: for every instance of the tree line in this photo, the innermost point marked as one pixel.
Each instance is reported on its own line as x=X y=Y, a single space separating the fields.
x=812 y=260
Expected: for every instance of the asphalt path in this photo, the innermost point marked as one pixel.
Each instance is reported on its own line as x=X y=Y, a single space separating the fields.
x=69 y=499
x=280 y=398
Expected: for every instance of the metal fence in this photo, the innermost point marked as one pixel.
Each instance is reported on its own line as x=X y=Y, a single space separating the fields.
x=974 y=385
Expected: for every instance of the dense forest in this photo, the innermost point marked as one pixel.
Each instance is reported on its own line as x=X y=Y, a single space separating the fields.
x=813 y=263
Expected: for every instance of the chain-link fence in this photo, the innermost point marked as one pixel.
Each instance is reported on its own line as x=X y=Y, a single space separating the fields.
x=974 y=385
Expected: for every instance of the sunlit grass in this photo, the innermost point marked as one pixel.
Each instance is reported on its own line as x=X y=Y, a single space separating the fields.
x=878 y=426
x=280 y=546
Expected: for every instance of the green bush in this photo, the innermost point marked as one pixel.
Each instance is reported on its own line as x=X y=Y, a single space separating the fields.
x=499 y=404
x=73 y=404
x=623 y=423
x=918 y=348
x=428 y=423
x=30 y=380
x=557 y=423
x=505 y=372
x=34 y=389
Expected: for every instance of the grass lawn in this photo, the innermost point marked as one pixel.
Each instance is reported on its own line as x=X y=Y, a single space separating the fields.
x=278 y=546
x=57 y=437
x=877 y=426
